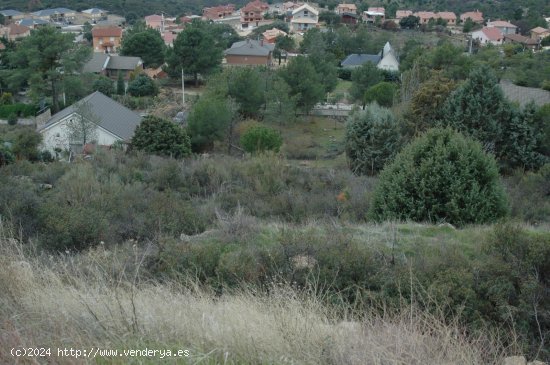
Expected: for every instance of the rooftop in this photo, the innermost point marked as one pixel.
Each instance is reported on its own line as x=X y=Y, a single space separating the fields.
x=107 y=32
x=250 y=47
x=360 y=59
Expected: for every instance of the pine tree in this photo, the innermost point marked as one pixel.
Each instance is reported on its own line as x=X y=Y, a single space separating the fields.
x=120 y=87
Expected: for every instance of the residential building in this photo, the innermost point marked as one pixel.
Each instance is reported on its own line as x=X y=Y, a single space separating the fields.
x=253 y=13
x=12 y=16
x=270 y=36
x=156 y=22
x=475 y=16
x=504 y=26
x=14 y=32
x=113 y=123
x=95 y=14
x=346 y=8
x=349 y=18
x=289 y=6
x=218 y=12
x=303 y=18
x=371 y=15
x=425 y=16
x=250 y=52
x=33 y=23
x=539 y=33
x=106 y=39
x=488 y=35
x=56 y=15
x=400 y=14
x=447 y=16
x=111 y=65
x=384 y=60
x=526 y=42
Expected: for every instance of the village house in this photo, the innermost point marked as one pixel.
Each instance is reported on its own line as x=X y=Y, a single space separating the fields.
x=400 y=14
x=289 y=6
x=95 y=14
x=106 y=39
x=55 y=15
x=504 y=26
x=474 y=16
x=14 y=32
x=33 y=23
x=425 y=16
x=113 y=123
x=346 y=8
x=371 y=15
x=385 y=60
x=488 y=35
x=349 y=18
x=303 y=18
x=447 y=16
x=253 y=13
x=250 y=52
x=155 y=21
x=218 y=12
x=526 y=42
x=270 y=36
x=539 y=33
x=113 y=65
x=12 y=16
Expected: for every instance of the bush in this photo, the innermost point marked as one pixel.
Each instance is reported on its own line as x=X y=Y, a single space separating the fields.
x=104 y=85
x=260 y=139
x=381 y=93
x=442 y=176
x=142 y=85
x=372 y=137
x=160 y=136
x=12 y=119
x=20 y=110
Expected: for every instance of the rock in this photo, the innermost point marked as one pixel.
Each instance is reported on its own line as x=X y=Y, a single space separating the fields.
x=515 y=360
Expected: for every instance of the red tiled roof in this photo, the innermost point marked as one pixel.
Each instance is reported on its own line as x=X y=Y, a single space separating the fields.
x=107 y=32
x=153 y=18
x=255 y=5
x=493 y=34
x=540 y=30
x=16 y=29
x=476 y=16
x=501 y=23
x=446 y=15
x=403 y=13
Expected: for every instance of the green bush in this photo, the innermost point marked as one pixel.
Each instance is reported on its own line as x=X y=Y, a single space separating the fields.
x=162 y=137
x=372 y=137
x=104 y=85
x=260 y=139
x=442 y=176
x=20 y=110
x=12 y=119
x=142 y=85
x=381 y=93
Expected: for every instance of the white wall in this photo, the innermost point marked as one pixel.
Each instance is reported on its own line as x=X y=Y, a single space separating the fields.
x=56 y=136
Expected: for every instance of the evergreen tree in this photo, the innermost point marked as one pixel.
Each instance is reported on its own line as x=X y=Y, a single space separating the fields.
x=120 y=86
x=304 y=82
x=147 y=44
x=209 y=121
x=162 y=137
x=373 y=137
x=362 y=79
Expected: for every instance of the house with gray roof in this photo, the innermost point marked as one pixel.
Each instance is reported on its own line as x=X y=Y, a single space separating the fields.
x=32 y=23
x=95 y=119
x=250 y=52
x=58 y=15
x=11 y=15
x=95 y=14
x=110 y=65
x=385 y=60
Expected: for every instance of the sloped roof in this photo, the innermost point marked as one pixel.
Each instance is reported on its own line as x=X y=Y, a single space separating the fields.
x=540 y=30
x=521 y=39
x=493 y=34
x=10 y=12
x=50 y=12
x=102 y=61
x=94 y=11
x=446 y=15
x=250 y=48
x=403 y=13
x=305 y=7
x=113 y=117
x=360 y=59
x=425 y=14
x=28 y=22
x=16 y=29
x=97 y=63
x=501 y=23
x=107 y=32
x=476 y=16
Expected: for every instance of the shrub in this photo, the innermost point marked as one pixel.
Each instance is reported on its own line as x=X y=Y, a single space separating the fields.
x=104 y=85
x=381 y=93
x=160 y=136
x=12 y=119
x=372 y=137
x=441 y=176
x=21 y=110
x=142 y=85
x=260 y=139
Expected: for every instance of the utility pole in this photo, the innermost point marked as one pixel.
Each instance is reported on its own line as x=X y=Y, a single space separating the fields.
x=182 y=88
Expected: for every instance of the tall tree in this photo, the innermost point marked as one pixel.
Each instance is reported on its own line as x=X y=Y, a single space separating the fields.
x=147 y=44
x=304 y=82
x=362 y=79
x=41 y=60
x=195 y=51
x=209 y=121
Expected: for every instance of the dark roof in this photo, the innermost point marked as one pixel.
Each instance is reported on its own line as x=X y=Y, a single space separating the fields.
x=113 y=116
x=28 y=22
x=521 y=39
x=10 y=12
x=360 y=59
x=250 y=48
x=103 y=61
x=50 y=12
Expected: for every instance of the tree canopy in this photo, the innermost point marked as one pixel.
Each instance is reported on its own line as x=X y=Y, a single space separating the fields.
x=161 y=137
x=147 y=44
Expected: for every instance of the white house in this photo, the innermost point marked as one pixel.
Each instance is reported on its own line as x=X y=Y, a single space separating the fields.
x=488 y=35
x=303 y=18
x=384 y=60
x=389 y=60
x=504 y=26
x=107 y=122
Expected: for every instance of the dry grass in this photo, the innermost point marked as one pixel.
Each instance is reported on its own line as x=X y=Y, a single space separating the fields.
x=99 y=298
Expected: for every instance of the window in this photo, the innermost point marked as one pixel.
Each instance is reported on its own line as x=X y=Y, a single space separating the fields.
x=306 y=13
